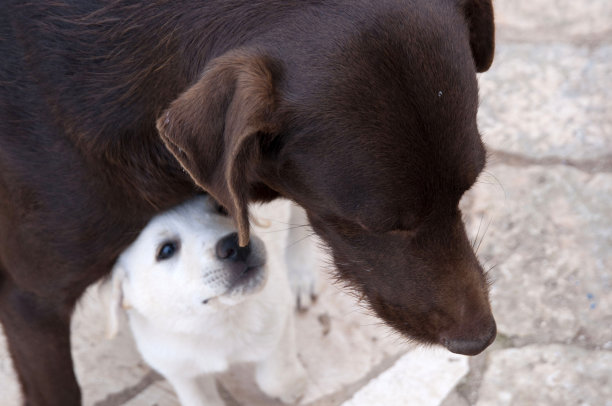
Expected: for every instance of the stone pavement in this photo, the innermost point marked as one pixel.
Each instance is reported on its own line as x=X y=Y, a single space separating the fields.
x=543 y=211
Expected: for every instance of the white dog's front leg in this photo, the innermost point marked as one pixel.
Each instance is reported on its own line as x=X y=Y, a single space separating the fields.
x=300 y=258
x=199 y=391
x=282 y=374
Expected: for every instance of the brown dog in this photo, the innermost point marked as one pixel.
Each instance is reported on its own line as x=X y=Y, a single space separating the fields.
x=363 y=112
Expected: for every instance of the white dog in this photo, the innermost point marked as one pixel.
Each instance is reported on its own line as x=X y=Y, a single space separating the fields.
x=197 y=303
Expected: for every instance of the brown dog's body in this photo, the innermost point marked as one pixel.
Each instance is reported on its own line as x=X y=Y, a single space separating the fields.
x=363 y=112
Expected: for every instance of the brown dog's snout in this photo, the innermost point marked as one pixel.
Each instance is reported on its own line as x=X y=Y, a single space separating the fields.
x=473 y=340
x=228 y=249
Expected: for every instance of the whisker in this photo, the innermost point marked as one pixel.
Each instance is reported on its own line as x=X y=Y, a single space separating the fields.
x=483 y=235
x=498 y=182
x=489 y=278
x=301 y=239
x=282 y=229
x=286 y=223
x=477 y=232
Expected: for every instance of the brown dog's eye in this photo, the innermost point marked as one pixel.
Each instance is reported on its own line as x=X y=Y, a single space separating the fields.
x=167 y=250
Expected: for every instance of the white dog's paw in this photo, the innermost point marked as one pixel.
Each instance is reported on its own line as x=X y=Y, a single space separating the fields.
x=295 y=391
x=301 y=258
x=289 y=388
x=302 y=277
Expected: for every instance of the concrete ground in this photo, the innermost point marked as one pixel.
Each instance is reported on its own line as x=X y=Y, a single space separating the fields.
x=544 y=210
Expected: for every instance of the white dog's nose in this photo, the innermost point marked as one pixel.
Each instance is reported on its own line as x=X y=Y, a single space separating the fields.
x=228 y=249
x=243 y=267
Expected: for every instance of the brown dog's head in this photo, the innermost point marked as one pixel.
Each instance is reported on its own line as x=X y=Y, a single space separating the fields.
x=370 y=125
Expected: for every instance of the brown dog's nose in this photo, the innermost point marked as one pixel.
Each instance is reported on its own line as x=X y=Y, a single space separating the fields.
x=471 y=346
x=228 y=249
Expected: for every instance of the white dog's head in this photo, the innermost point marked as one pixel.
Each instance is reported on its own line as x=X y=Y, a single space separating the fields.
x=184 y=266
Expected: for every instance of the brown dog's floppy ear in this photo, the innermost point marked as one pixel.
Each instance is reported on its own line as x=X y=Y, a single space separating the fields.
x=479 y=15
x=212 y=128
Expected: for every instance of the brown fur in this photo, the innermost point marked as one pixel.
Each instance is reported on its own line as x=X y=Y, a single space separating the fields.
x=363 y=112
x=223 y=140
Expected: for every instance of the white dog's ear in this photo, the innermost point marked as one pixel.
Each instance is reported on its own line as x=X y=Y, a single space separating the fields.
x=112 y=292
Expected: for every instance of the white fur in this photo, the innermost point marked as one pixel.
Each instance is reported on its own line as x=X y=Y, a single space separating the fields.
x=184 y=338
x=299 y=259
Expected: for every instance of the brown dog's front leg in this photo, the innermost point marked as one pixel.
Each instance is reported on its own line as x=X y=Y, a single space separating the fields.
x=38 y=334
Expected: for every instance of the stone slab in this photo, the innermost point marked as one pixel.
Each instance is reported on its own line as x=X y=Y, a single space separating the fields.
x=544 y=100
x=550 y=242
x=159 y=394
x=103 y=366
x=547 y=375
x=565 y=19
x=422 y=377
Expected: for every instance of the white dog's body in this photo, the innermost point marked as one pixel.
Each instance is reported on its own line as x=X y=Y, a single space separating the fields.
x=193 y=313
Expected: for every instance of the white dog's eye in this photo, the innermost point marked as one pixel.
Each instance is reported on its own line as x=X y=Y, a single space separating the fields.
x=167 y=250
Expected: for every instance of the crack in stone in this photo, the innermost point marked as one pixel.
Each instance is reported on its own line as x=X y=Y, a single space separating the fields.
x=226 y=395
x=511 y=34
x=522 y=342
x=451 y=398
x=601 y=164
x=127 y=394
x=121 y=397
x=579 y=340
x=469 y=387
